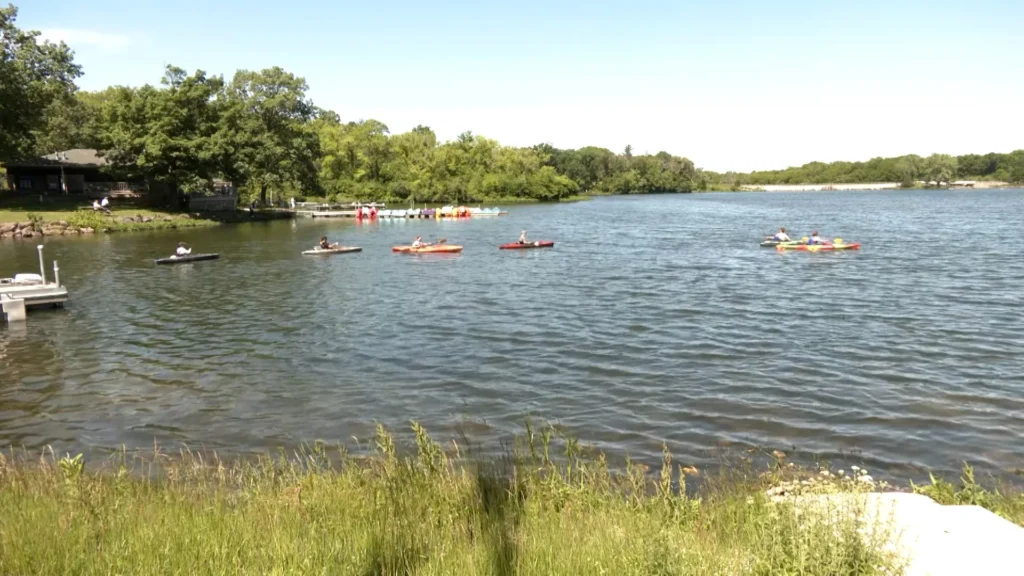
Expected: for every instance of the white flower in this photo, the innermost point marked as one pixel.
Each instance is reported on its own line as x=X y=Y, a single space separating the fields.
x=855 y=468
x=866 y=479
x=841 y=472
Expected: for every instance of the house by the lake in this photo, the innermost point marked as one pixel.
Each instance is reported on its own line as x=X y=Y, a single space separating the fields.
x=78 y=171
x=86 y=172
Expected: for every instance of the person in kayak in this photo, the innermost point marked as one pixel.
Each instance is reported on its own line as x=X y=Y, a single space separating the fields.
x=522 y=237
x=781 y=236
x=182 y=250
x=815 y=239
x=325 y=245
x=419 y=243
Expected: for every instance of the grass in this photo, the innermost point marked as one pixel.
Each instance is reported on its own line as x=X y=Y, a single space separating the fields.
x=1005 y=500
x=75 y=212
x=436 y=511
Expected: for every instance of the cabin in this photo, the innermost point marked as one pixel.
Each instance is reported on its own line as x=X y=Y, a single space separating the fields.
x=86 y=172
x=78 y=171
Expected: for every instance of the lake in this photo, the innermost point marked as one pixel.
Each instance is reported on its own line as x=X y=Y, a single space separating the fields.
x=653 y=319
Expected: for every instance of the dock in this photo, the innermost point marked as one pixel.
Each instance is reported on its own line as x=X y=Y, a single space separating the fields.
x=27 y=291
x=312 y=210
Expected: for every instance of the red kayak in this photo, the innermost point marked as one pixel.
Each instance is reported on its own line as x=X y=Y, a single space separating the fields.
x=518 y=246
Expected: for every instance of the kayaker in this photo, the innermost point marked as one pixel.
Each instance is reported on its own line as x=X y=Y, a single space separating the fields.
x=325 y=245
x=781 y=236
x=182 y=250
x=815 y=239
x=419 y=243
x=522 y=237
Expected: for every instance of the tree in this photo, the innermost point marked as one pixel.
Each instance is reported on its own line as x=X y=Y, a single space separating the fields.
x=267 y=132
x=74 y=121
x=168 y=135
x=940 y=168
x=32 y=76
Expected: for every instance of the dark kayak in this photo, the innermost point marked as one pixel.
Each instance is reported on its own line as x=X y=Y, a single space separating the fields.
x=329 y=251
x=518 y=246
x=186 y=259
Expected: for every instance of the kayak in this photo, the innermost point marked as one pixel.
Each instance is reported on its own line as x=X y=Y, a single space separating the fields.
x=518 y=246
x=186 y=259
x=435 y=249
x=774 y=243
x=817 y=247
x=338 y=250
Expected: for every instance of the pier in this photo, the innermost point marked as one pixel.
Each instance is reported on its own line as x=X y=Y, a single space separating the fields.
x=26 y=291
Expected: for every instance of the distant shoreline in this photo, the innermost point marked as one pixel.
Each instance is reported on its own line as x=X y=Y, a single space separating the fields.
x=967 y=184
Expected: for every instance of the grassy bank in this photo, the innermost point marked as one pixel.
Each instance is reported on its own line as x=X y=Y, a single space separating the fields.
x=434 y=512
x=62 y=216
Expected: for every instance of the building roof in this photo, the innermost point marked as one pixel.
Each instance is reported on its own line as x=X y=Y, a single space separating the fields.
x=77 y=158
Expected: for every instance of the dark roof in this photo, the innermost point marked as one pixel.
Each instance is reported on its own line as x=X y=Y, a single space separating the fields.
x=78 y=157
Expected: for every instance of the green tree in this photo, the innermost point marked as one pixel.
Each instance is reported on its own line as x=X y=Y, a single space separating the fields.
x=267 y=134
x=74 y=121
x=32 y=76
x=940 y=168
x=167 y=135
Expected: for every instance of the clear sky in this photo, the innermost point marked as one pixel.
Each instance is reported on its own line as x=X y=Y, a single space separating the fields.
x=732 y=85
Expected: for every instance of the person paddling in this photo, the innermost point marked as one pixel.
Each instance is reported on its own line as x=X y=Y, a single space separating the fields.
x=781 y=236
x=325 y=245
x=182 y=250
x=815 y=239
x=522 y=237
x=419 y=243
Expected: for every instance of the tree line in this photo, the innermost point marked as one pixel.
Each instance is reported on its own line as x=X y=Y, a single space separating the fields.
x=909 y=170
x=261 y=131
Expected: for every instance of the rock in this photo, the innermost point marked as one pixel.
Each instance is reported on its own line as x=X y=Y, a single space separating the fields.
x=28 y=234
x=24 y=225
x=167 y=218
x=9 y=234
x=8 y=227
x=147 y=218
x=61 y=223
x=85 y=230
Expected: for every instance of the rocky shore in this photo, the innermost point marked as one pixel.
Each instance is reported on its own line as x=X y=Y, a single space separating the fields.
x=34 y=230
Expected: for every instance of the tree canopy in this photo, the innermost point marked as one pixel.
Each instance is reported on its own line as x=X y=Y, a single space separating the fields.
x=33 y=77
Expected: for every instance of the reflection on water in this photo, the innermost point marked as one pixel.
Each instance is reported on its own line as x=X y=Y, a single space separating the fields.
x=653 y=318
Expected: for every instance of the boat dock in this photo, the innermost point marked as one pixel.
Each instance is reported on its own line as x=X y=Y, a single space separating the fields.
x=313 y=210
x=27 y=291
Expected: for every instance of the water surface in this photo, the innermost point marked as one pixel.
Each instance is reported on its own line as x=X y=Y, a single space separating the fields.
x=653 y=319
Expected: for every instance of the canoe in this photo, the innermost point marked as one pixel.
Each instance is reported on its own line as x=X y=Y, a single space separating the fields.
x=187 y=259
x=339 y=250
x=518 y=246
x=436 y=249
x=817 y=247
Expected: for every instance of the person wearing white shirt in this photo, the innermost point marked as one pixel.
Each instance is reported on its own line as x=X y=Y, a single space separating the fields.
x=781 y=236
x=182 y=250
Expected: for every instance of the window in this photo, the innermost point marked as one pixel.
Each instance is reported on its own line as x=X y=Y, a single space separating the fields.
x=25 y=183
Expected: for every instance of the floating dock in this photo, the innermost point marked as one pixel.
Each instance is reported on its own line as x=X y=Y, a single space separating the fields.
x=314 y=210
x=27 y=291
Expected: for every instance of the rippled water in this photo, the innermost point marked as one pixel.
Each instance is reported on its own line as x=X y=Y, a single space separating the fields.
x=653 y=319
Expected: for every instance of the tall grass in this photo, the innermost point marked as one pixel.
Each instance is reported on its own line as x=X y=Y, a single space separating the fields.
x=435 y=511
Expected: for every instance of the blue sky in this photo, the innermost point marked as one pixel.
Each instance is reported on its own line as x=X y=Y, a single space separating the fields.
x=731 y=84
